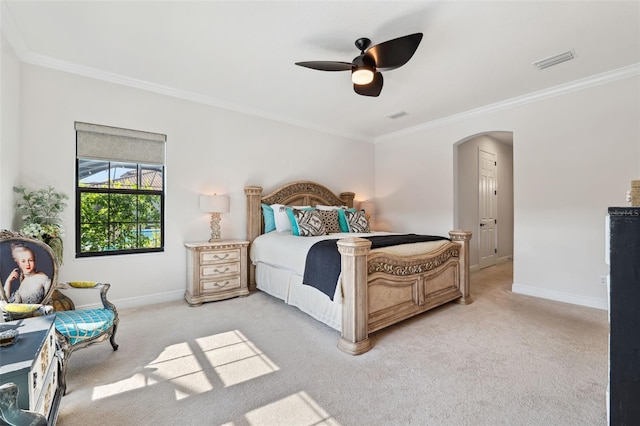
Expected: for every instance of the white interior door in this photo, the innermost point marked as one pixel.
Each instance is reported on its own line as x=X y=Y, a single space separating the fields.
x=488 y=200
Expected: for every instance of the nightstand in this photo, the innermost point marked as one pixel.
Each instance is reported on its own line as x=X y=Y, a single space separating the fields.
x=216 y=271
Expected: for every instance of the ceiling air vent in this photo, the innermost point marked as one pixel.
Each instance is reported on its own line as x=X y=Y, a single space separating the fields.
x=396 y=114
x=555 y=60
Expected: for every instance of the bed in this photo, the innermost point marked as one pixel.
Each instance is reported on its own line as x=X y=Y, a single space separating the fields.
x=376 y=288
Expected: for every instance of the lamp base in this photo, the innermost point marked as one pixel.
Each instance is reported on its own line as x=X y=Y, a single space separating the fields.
x=215 y=228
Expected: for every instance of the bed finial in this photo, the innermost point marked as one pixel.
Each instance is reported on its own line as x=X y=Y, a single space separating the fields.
x=348 y=198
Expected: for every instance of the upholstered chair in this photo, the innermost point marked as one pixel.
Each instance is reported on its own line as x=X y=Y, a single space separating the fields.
x=29 y=272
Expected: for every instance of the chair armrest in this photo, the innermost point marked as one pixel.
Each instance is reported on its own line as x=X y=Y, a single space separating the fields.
x=103 y=287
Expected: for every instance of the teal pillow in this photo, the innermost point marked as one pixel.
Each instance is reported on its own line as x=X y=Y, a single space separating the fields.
x=292 y=218
x=342 y=219
x=269 y=218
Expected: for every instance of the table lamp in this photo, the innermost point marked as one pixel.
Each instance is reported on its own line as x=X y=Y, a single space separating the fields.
x=214 y=204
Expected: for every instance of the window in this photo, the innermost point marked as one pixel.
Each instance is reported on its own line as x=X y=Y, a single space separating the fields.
x=119 y=191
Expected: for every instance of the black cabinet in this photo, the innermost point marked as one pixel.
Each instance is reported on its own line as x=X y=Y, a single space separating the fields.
x=624 y=316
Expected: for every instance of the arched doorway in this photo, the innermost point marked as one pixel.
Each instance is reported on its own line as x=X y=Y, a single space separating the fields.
x=483 y=194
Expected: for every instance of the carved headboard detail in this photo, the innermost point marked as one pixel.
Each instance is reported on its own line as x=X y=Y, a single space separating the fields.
x=299 y=193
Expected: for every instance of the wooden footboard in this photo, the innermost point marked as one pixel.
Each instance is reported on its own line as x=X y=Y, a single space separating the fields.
x=381 y=289
x=378 y=289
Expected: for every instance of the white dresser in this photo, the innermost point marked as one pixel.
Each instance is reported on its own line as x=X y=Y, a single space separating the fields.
x=216 y=271
x=32 y=365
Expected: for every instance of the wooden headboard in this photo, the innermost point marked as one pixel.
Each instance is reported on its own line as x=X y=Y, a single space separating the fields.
x=299 y=193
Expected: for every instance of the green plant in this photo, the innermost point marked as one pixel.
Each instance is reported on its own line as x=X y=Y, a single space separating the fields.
x=41 y=209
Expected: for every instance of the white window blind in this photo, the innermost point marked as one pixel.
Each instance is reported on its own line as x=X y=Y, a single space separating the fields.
x=99 y=142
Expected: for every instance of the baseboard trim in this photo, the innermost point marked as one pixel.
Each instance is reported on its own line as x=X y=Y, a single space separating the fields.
x=136 y=302
x=559 y=296
x=476 y=267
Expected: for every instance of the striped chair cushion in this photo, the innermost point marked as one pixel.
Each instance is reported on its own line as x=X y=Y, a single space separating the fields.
x=83 y=324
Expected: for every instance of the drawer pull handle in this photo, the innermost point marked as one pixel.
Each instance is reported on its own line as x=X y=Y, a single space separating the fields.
x=35 y=379
x=217 y=256
x=222 y=271
x=221 y=285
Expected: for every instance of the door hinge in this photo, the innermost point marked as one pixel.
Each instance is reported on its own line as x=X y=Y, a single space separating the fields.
x=495 y=163
x=495 y=192
x=495 y=250
x=495 y=221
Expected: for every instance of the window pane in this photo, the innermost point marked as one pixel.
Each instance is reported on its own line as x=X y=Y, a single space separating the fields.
x=93 y=237
x=123 y=236
x=151 y=177
x=149 y=208
x=93 y=173
x=150 y=235
x=123 y=175
x=123 y=208
x=94 y=208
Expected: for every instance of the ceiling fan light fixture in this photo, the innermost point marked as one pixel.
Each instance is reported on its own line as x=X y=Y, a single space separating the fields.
x=362 y=75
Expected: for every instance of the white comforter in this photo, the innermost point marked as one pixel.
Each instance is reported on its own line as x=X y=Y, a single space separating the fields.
x=287 y=251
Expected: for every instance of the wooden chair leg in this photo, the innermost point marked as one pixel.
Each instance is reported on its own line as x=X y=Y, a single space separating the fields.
x=62 y=377
x=112 y=339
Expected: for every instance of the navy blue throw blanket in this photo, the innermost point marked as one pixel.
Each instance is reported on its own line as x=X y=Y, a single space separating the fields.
x=322 y=267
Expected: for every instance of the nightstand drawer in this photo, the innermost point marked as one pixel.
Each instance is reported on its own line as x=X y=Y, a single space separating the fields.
x=229 y=283
x=220 y=256
x=207 y=271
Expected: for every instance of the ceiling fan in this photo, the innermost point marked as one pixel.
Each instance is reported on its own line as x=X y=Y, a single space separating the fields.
x=365 y=74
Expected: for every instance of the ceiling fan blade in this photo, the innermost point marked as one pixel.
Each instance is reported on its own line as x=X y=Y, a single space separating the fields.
x=394 y=53
x=372 y=89
x=326 y=65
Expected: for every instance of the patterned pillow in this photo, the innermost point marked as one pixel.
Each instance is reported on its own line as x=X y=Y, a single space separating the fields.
x=357 y=221
x=309 y=222
x=330 y=219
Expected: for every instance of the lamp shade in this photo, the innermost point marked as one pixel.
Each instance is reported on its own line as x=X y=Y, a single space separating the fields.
x=368 y=206
x=214 y=203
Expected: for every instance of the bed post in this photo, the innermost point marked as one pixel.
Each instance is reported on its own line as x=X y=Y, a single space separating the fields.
x=355 y=312
x=254 y=225
x=463 y=237
x=348 y=198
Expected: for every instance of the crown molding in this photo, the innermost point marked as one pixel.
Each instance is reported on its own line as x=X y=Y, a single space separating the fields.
x=573 y=86
x=24 y=53
x=98 y=74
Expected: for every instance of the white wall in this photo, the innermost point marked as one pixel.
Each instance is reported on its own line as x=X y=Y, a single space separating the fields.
x=9 y=129
x=573 y=156
x=208 y=149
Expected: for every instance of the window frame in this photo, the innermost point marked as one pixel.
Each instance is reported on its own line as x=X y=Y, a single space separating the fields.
x=117 y=191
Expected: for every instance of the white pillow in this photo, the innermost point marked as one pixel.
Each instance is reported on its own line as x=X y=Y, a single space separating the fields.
x=283 y=223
